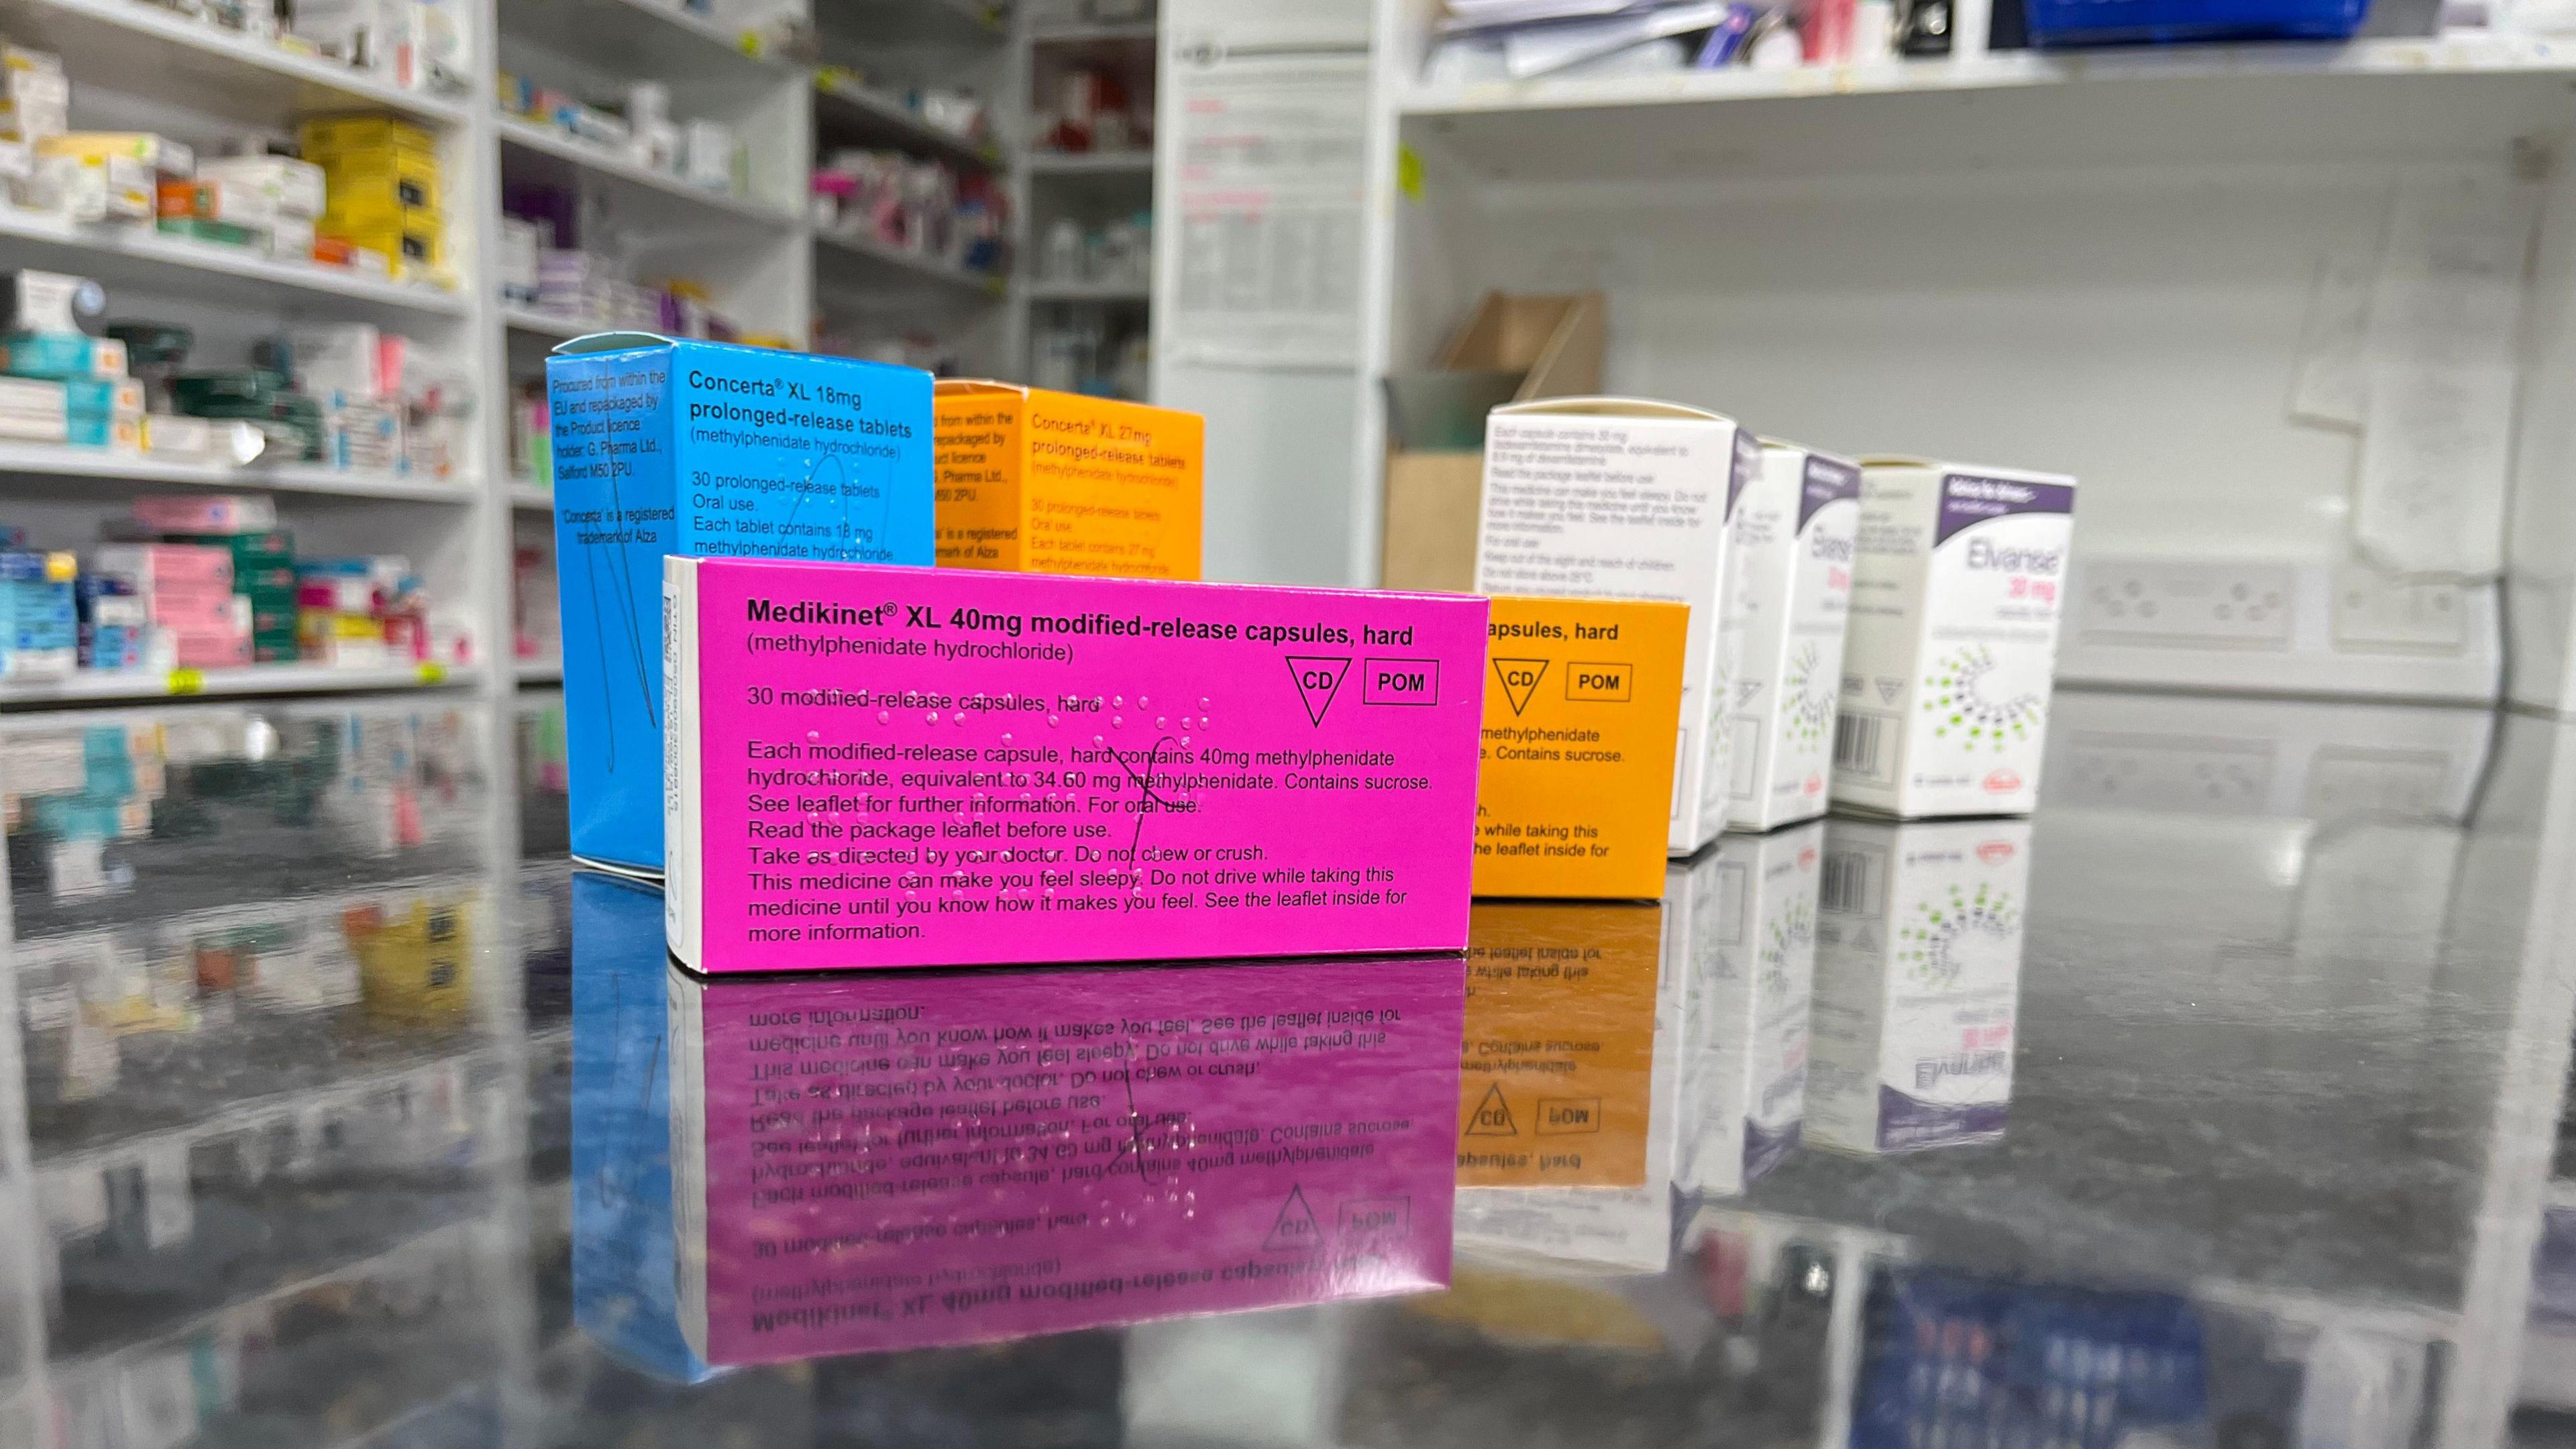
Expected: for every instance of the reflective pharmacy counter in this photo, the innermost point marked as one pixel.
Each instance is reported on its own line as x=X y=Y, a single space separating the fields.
x=2223 y=1103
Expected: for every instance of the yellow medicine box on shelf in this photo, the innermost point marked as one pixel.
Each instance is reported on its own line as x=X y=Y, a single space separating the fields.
x=413 y=251
x=1582 y=704
x=1057 y=483
x=381 y=184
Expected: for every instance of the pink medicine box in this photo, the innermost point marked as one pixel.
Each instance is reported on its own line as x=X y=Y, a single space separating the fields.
x=917 y=767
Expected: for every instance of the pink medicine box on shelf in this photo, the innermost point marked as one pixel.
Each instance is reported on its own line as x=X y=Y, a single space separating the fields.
x=911 y=767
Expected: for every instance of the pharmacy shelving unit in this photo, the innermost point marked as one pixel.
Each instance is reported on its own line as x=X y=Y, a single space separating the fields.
x=869 y=294
x=1086 y=187
x=747 y=247
x=139 y=66
x=2105 y=264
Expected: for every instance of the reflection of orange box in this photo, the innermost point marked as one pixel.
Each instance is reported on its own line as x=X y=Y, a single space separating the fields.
x=1057 y=483
x=1557 y=1070
x=1583 y=699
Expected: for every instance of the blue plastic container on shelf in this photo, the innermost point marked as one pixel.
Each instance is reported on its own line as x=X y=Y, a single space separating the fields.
x=2125 y=22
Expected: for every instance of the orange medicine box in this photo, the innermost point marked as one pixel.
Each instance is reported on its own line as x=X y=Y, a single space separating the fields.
x=1557 y=1064
x=1576 y=784
x=1057 y=483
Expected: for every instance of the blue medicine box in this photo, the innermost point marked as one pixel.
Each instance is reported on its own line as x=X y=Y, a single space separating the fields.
x=664 y=446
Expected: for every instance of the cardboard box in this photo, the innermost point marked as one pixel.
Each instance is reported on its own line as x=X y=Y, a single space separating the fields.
x=155 y=567
x=51 y=302
x=1948 y=663
x=324 y=135
x=1918 y=983
x=1544 y=346
x=1057 y=483
x=749 y=1173
x=1743 y=918
x=290 y=187
x=160 y=154
x=1622 y=498
x=1580 y=699
x=339 y=361
x=226 y=513
x=665 y=447
x=893 y=767
x=1794 y=528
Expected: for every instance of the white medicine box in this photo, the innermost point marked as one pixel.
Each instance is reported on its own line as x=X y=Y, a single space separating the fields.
x=1794 y=526
x=1623 y=498
x=1957 y=578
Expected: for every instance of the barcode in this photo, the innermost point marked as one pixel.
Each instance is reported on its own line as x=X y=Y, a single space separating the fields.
x=1851 y=882
x=1860 y=744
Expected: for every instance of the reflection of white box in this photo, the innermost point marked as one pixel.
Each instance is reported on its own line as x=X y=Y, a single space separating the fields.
x=1918 y=978
x=1953 y=638
x=1747 y=912
x=1615 y=498
x=1792 y=579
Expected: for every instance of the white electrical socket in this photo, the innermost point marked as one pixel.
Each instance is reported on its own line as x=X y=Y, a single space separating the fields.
x=2376 y=613
x=2332 y=628
x=2345 y=782
x=2188 y=605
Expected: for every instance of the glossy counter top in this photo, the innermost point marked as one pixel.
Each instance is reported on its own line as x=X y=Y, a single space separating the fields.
x=2222 y=1103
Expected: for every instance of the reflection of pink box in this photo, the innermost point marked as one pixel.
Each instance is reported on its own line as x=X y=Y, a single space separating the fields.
x=917 y=767
x=1076 y=1146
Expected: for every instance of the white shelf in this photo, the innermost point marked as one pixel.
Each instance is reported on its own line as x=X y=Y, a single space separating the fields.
x=914 y=22
x=2482 y=55
x=1137 y=160
x=98 y=686
x=532 y=498
x=133 y=256
x=88 y=465
x=644 y=39
x=546 y=324
x=870 y=112
x=1112 y=292
x=600 y=162
x=204 y=67
x=879 y=258
x=1125 y=31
